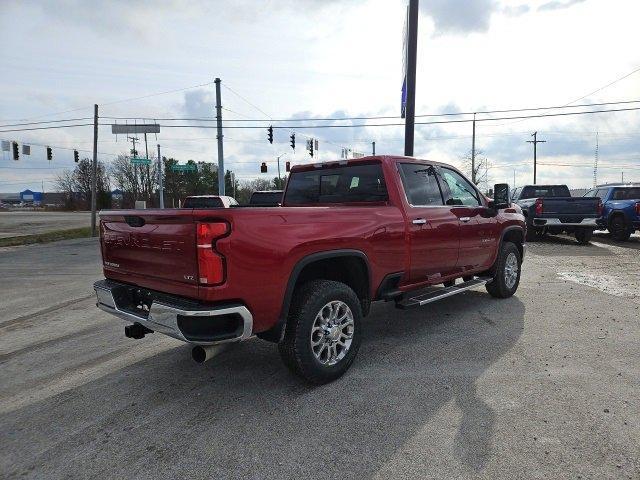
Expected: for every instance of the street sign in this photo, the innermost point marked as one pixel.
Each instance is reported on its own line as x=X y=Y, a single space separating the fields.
x=123 y=128
x=140 y=161
x=189 y=167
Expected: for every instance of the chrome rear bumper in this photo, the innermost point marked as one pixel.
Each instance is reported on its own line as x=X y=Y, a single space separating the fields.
x=556 y=222
x=165 y=317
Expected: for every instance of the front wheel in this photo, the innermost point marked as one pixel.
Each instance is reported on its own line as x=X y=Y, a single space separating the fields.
x=323 y=333
x=506 y=277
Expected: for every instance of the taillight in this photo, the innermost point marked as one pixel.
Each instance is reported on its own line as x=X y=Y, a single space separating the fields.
x=638 y=208
x=539 y=206
x=211 y=267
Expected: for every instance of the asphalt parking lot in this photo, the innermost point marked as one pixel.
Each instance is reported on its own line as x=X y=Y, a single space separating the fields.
x=542 y=385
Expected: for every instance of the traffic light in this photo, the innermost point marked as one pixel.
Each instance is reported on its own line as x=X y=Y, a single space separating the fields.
x=263 y=167
x=270 y=134
x=76 y=156
x=288 y=167
x=310 y=147
x=16 y=153
x=49 y=153
x=293 y=141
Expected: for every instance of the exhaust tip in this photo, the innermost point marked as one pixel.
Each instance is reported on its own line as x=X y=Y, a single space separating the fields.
x=199 y=354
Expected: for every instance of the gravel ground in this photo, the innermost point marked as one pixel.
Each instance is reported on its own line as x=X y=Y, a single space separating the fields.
x=16 y=223
x=541 y=385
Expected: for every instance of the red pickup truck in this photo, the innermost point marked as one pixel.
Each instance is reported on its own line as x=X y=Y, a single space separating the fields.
x=304 y=274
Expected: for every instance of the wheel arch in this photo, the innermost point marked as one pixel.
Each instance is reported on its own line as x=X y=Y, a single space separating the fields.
x=348 y=266
x=514 y=234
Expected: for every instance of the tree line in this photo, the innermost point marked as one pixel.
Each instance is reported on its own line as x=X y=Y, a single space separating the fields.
x=140 y=183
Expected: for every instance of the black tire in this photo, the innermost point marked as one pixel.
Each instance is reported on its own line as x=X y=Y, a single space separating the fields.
x=498 y=287
x=468 y=278
x=296 y=349
x=619 y=229
x=449 y=283
x=583 y=235
x=531 y=235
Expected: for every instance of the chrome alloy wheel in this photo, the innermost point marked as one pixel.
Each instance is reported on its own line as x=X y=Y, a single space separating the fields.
x=332 y=332
x=511 y=270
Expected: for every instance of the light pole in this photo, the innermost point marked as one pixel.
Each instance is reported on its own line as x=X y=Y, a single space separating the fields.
x=280 y=178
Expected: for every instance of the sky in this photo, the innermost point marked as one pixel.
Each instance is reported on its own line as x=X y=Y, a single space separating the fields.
x=287 y=59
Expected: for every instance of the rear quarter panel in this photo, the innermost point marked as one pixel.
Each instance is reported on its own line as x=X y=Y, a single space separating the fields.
x=266 y=243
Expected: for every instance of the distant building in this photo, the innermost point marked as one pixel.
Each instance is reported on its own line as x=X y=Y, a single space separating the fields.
x=579 y=192
x=11 y=198
x=29 y=196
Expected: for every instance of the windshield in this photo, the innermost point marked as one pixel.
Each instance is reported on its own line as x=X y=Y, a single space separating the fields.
x=537 y=191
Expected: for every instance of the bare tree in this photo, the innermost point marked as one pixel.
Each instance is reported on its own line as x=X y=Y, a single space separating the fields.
x=479 y=171
x=138 y=182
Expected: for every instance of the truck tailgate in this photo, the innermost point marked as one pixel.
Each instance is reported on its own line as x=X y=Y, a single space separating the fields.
x=584 y=206
x=158 y=244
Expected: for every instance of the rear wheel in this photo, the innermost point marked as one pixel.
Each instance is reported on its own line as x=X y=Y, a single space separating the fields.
x=506 y=277
x=619 y=229
x=323 y=333
x=583 y=235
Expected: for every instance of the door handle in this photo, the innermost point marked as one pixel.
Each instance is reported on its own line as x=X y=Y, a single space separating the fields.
x=465 y=219
x=419 y=221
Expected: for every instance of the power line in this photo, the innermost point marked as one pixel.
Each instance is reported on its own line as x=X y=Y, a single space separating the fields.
x=381 y=117
x=606 y=86
x=48 y=121
x=50 y=127
x=119 y=101
x=437 y=122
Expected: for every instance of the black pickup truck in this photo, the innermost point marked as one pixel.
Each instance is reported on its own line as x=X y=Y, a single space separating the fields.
x=552 y=209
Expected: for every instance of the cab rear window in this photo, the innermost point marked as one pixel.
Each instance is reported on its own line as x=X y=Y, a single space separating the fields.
x=342 y=184
x=201 y=202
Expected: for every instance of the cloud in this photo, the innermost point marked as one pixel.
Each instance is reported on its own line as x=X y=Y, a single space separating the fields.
x=454 y=17
x=515 y=10
x=558 y=5
x=199 y=103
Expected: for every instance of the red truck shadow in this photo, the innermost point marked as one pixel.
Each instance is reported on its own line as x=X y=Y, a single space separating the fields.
x=243 y=415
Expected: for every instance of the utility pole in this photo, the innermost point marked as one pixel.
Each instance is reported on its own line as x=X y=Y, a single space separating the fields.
x=373 y=148
x=160 y=180
x=94 y=172
x=535 y=142
x=134 y=153
x=280 y=178
x=473 y=152
x=219 y=137
x=412 y=49
x=595 y=164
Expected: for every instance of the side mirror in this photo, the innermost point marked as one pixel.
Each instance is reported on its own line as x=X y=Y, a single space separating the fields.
x=501 y=196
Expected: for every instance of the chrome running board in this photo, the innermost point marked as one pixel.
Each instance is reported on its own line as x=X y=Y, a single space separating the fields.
x=440 y=293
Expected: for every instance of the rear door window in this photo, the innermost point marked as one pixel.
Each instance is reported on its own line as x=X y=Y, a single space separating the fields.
x=421 y=185
x=626 y=194
x=342 y=184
